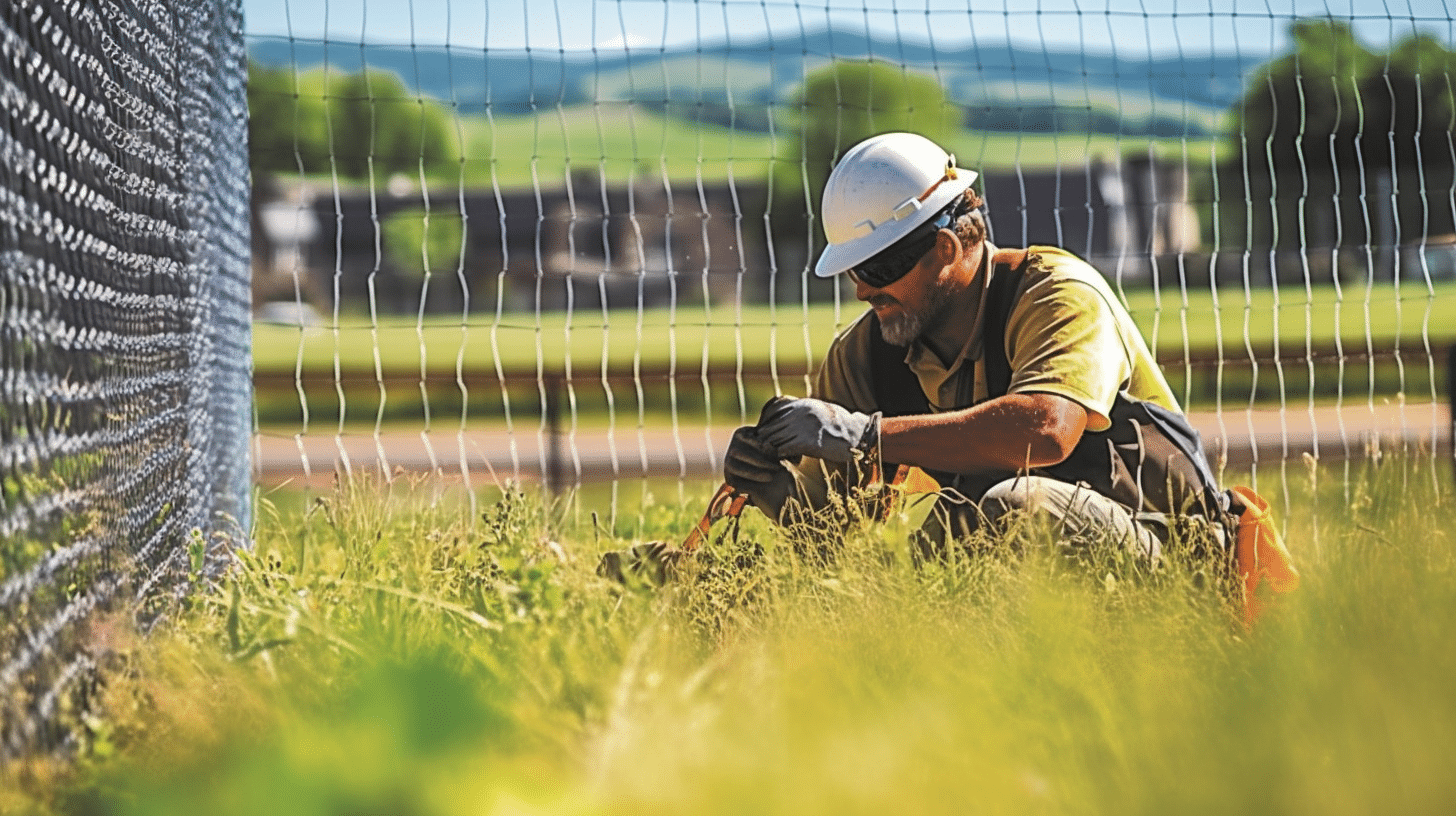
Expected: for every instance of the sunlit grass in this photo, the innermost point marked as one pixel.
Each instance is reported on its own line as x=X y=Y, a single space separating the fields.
x=794 y=333
x=631 y=142
x=386 y=651
x=635 y=349
x=622 y=142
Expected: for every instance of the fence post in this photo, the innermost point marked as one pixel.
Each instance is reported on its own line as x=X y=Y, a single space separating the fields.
x=553 y=435
x=1451 y=402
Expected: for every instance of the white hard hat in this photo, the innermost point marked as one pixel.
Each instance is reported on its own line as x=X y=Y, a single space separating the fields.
x=880 y=191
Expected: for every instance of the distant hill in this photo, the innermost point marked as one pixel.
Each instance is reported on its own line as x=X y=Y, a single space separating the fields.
x=1003 y=87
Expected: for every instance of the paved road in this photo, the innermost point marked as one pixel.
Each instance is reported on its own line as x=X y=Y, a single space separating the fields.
x=484 y=455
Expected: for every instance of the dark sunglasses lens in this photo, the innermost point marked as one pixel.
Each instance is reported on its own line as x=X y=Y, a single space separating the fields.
x=877 y=273
x=893 y=264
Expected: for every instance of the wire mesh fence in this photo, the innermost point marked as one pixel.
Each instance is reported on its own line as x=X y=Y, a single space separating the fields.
x=125 y=399
x=577 y=238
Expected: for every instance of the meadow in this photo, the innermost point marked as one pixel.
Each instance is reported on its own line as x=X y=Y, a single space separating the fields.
x=387 y=650
x=369 y=369
x=624 y=141
x=1199 y=319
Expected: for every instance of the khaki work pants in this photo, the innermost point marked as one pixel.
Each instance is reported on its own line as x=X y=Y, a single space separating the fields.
x=1079 y=516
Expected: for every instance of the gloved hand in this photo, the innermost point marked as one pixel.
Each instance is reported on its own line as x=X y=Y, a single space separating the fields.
x=811 y=427
x=654 y=563
x=753 y=468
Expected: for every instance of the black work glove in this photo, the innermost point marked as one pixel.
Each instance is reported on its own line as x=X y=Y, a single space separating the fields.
x=811 y=427
x=654 y=563
x=753 y=468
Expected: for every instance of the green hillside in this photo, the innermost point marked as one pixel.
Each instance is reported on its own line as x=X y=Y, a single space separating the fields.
x=616 y=139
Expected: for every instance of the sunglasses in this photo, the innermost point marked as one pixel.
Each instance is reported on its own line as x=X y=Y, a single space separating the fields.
x=896 y=261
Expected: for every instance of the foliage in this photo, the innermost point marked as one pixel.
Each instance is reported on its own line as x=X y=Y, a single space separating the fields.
x=381 y=650
x=357 y=125
x=422 y=241
x=1332 y=135
x=846 y=102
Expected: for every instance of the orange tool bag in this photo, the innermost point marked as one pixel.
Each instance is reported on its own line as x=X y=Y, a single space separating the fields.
x=1264 y=567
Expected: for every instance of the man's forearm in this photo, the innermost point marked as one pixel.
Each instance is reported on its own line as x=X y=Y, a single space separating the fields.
x=1007 y=433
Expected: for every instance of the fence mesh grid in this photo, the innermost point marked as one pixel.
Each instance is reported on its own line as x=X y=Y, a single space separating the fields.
x=575 y=239
x=125 y=397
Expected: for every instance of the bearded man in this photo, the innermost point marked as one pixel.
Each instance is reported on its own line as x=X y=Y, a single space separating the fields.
x=1015 y=378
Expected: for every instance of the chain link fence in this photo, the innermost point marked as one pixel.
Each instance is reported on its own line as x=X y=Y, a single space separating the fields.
x=125 y=393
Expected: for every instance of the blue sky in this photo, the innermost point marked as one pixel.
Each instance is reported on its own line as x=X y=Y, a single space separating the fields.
x=1135 y=26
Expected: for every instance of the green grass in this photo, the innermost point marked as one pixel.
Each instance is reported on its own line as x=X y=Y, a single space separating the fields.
x=389 y=652
x=795 y=337
x=1384 y=314
x=793 y=333
x=626 y=142
x=518 y=342
x=620 y=141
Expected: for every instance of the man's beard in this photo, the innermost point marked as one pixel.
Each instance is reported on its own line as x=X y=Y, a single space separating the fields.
x=902 y=329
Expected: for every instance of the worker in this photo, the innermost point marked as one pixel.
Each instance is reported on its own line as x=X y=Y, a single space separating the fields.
x=1014 y=377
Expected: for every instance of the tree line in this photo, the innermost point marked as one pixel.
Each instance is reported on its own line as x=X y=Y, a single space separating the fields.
x=351 y=124
x=1335 y=145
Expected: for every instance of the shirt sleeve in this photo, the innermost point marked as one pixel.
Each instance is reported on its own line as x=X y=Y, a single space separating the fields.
x=843 y=378
x=1063 y=338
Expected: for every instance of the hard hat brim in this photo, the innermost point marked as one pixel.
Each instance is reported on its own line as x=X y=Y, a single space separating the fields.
x=839 y=258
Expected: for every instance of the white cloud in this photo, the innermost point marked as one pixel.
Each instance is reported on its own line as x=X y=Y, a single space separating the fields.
x=625 y=41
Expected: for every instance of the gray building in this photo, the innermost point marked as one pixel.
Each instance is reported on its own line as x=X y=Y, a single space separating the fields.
x=585 y=244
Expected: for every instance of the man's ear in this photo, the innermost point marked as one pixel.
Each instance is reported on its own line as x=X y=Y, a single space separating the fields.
x=948 y=247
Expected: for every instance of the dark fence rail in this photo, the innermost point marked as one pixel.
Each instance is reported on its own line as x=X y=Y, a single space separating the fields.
x=1268 y=434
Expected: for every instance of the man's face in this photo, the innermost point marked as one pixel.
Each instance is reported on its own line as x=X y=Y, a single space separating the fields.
x=914 y=305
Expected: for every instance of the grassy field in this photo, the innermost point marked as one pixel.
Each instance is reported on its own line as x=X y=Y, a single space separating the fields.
x=1199 y=322
x=794 y=333
x=624 y=141
x=389 y=652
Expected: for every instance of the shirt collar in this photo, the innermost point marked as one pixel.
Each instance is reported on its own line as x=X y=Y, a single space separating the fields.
x=918 y=355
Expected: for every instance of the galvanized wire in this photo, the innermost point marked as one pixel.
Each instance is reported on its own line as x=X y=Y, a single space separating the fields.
x=125 y=372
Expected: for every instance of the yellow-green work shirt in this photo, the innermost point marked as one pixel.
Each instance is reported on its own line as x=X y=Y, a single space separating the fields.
x=1067 y=334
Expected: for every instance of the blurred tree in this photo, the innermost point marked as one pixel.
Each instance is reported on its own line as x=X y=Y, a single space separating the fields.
x=421 y=246
x=847 y=102
x=322 y=122
x=372 y=116
x=838 y=106
x=1337 y=146
x=421 y=242
x=286 y=128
